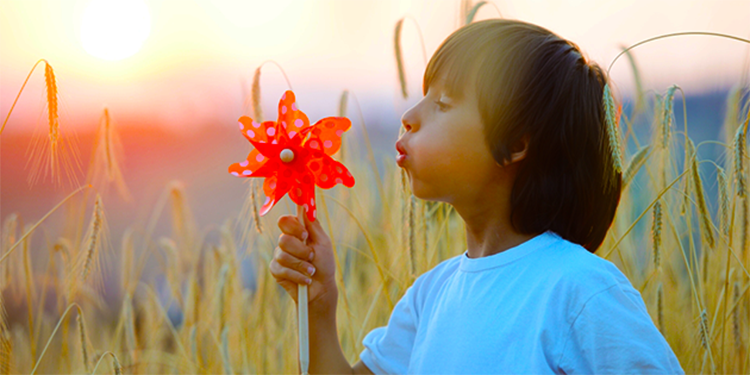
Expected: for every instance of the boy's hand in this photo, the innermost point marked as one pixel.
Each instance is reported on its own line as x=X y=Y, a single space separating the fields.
x=292 y=258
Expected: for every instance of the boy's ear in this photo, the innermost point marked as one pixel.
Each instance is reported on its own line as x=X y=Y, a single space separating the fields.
x=518 y=150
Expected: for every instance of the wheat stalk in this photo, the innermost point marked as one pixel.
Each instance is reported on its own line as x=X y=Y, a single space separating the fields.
x=739 y=161
x=29 y=287
x=115 y=362
x=254 y=204
x=743 y=237
x=399 y=58
x=93 y=241
x=660 y=307
x=612 y=130
x=656 y=233
x=82 y=332
x=51 y=84
x=704 y=328
x=10 y=227
x=257 y=110
x=6 y=347
x=225 y=350
x=666 y=117
x=343 y=101
x=635 y=164
x=721 y=180
x=705 y=218
x=736 y=317
x=221 y=290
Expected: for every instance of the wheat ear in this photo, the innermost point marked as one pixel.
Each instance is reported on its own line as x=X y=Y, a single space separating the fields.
x=612 y=131
x=96 y=226
x=656 y=233
x=257 y=110
x=635 y=164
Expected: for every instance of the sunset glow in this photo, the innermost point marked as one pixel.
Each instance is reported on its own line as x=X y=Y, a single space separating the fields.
x=115 y=29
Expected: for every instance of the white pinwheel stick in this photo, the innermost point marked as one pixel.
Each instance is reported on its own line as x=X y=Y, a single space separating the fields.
x=304 y=339
x=287 y=156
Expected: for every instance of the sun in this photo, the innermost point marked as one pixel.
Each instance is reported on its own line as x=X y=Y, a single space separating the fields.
x=114 y=29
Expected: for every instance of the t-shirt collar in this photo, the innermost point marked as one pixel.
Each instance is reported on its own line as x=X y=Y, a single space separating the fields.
x=504 y=257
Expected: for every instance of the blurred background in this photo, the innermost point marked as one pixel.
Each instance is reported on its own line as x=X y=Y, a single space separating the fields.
x=174 y=76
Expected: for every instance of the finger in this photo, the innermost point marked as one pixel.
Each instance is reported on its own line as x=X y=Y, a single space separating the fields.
x=285 y=273
x=287 y=260
x=289 y=286
x=314 y=227
x=294 y=246
x=292 y=226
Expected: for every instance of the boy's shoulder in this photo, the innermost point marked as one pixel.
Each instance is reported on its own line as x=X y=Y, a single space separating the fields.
x=580 y=275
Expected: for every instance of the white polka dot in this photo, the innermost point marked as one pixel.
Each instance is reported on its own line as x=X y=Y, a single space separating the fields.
x=273 y=142
x=259 y=158
x=348 y=173
x=283 y=109
x=292 y=133
x=294 y=106
x=339 y=181
x=270 y=132
x=283 y=97
x=244 y=163
x=241 y=126
x=327 y=144
x=338 y=169
x=314 y=144
x=272 y=185
x=339 y=132
x=314 y=214
x=305 y=207
x=299 y=123
x=256 y=124
x=312 y=202
x=235 y=174
x=267 y=200
x=247 y=172
x=283 y=123
x=250 y=133
x=323 y=177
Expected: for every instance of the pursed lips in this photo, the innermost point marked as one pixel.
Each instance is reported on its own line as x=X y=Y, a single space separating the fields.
x=401 y=157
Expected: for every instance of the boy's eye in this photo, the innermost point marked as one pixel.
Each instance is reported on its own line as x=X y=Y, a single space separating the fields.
x=441 y=105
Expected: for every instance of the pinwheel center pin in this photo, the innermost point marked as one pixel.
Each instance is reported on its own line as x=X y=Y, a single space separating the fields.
x=286 y=155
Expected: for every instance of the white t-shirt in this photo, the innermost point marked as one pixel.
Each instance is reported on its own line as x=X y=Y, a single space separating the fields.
x=545 y=306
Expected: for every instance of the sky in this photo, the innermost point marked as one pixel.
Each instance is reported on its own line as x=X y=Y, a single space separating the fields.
x=194 y=56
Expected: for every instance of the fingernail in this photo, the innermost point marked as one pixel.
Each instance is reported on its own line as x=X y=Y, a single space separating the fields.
x=311 y=271
x=304 y=236
x=312 y=255
x=308 y=281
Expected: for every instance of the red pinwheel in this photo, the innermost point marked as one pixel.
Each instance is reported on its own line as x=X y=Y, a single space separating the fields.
x=293 y=156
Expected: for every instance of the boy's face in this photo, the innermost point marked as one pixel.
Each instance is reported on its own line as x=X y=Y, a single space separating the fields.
x=447 y=158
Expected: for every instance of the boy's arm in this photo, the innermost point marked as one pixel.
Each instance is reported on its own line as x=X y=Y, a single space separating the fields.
x=326 y=356
x=360 y=368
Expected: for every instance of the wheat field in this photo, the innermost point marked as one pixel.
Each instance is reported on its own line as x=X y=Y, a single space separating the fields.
x=689 y=259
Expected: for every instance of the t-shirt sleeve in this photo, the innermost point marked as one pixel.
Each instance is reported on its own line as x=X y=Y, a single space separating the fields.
x=388 y=349
x=613 y=333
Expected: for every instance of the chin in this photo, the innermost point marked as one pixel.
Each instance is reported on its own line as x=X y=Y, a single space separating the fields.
x=424 y=192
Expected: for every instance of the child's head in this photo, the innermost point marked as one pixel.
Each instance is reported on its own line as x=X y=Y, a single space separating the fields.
x=536 y=102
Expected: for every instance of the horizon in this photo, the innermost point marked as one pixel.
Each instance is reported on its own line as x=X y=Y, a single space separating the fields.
x=193 y=65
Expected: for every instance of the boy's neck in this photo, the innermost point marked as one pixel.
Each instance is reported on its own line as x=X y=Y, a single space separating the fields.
x=488 y=229
x=486 y=240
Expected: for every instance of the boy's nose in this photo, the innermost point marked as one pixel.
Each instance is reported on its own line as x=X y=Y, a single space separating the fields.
x=409 y=118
